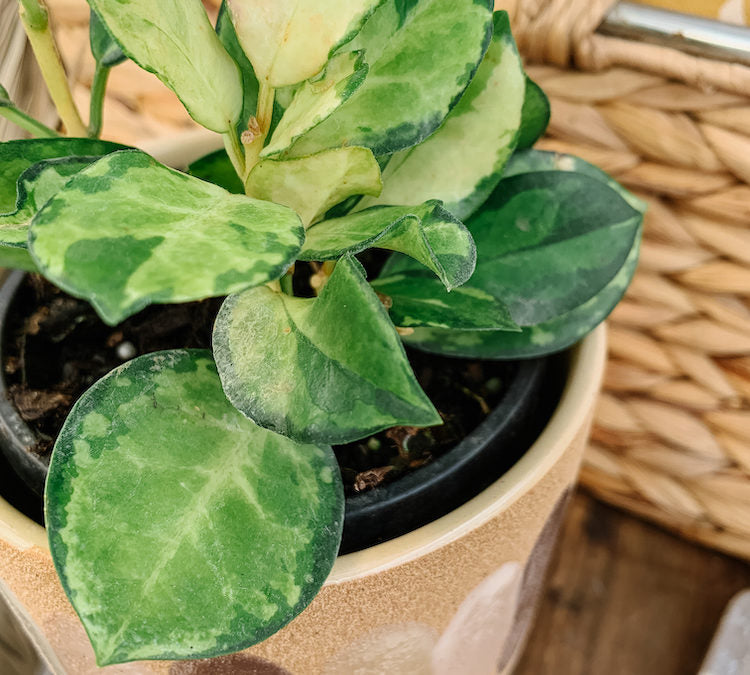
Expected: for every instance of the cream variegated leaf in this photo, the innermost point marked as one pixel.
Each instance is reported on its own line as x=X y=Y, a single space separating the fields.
x=175 y=40
x=312 y=185
x=463 y=160
x=289 y=41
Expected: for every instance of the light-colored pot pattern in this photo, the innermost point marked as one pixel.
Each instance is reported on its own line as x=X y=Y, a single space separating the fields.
x=454 y=596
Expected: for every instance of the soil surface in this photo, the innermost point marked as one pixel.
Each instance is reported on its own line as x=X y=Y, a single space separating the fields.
x=56 y=347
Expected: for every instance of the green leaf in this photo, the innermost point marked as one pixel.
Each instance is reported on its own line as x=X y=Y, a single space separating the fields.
x=312 y=185
x=126 y=232
x=17 y=156
x=175 y=40
x=178 y=527
x=422 y=55
x=427 y=233
x=547 y=242
x=317 y=99
x=290 y=42
x=419 y=300
x=462 y=162
x=531 y=161
x=35 y=187
x=217 y=168
x=544 y=338
x=329 y=369
x=535 y=115
x=103 y=47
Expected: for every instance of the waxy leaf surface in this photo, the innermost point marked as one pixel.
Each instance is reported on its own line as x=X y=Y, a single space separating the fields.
x=311 y=185
x=288 y=41
x=535 y=115
x=546 y=242
x=178 y=527
x=216 y=168
x=316 y=99
x=462 y=162
x=419 y=300
x=544 y=338
x=427 y=233
x=127 y=231
x=35 y=187
x=175 y=40
x=329 y=369
x=422 y=55
x=17 y=156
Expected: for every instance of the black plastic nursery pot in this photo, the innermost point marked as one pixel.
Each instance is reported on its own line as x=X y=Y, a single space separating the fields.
x=439 y=570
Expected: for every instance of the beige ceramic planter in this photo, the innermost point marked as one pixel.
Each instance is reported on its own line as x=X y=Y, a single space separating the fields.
x=453 y=597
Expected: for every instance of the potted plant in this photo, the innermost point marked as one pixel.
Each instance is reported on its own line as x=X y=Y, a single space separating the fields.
x=194 y=506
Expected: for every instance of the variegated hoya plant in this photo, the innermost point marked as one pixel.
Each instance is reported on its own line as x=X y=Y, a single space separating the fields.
x=194 y=505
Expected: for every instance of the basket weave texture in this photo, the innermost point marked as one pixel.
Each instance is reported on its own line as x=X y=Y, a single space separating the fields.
x=672 y=438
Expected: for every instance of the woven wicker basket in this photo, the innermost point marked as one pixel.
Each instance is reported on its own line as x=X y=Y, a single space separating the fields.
x=672 y=436
x=672 y=441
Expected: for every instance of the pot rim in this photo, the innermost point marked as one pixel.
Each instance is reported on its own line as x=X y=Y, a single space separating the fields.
x=581 y=388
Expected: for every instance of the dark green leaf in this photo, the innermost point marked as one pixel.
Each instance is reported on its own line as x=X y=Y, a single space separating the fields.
x=126 y=232
x=217 y=168
x=535 y=115
x=103 y=47
x=330 y=369
x=178 y=527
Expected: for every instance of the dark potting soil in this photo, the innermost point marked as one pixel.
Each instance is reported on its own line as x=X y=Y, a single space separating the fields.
x=56 y=347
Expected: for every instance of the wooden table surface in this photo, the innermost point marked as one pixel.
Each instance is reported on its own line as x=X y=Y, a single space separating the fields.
x=624 y=597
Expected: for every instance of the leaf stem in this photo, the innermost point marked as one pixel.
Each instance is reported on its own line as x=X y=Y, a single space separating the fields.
x=96 y=107
x=255 y=137
x=35 y=21
x=235 y=152
x=26 y=122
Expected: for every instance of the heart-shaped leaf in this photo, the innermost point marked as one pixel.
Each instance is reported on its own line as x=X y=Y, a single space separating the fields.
x=103 y=47
x=419 y=300
x=422 y=55
x=216 y=168
x=486 y=120
x=535 y=115
x=175 y=40
x=288 y=42
x=544 y=338
x=35 y=187
x=178 y=527
x=312 y=185
x=127 y=231
x=317 y=99
x=329 y=369
x=427 y=233
x=17 y=156
x=546 y=242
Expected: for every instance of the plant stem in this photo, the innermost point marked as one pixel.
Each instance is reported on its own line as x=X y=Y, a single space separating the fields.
x=27 y=122
x=96 y=107
x=235 y=152
x=35 y=21
x=258 y=128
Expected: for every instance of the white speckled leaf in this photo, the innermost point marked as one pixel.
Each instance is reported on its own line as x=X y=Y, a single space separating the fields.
x=127 y=231
x=175 y=40
x=462 y=162
x=427 y=233
x=329 y=369
x=317 y=99
x=289 y=41
x=178 y=527
x=311 y=185
x=422 y=55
